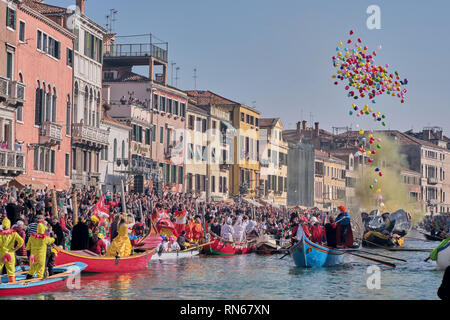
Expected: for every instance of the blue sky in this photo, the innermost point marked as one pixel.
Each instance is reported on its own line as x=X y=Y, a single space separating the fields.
x=278 y=53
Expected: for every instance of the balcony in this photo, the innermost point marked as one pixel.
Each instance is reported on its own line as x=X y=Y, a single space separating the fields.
x=17 y=94
x=50 y=134
x=432 y=180
x=92 y=137
x=224 y=167
x=4 y=89
x=12 y=161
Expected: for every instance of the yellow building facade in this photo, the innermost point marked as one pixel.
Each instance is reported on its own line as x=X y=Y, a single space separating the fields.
x=273 y=152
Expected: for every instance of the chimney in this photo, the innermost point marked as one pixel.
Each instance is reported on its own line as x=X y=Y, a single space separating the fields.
x=304 y=125
x=80 y=4
x=299 y=128
x=316 y=129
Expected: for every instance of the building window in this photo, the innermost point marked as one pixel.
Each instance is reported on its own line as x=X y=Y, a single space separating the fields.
x=67 y=165
x=242 y=117
x=213 y=184
x=39 y=40
x=204 y=125
x=175 y=107
x=115 y=150
x=9 y=65
x=180 y=175
x=161 y=134
x=69 y=57
x=174 y=174
x=147 y=136
x=191 y=122
x=68 y=116
x=153 y=133
x=190 y=154
x=155 y=101
x=183 y=110
x=74 y=159
x=44 y=160
x=11 y=18
x=163 y=104
x=123 y=149
x=169 y=105
x=22 y=31
x=19 y=116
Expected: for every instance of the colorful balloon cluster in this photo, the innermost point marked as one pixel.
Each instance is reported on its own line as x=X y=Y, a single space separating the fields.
x=357 y=69
x=363 y=78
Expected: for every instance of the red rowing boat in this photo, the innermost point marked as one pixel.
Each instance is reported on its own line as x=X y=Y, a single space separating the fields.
x=96 y=263
x=222 y=248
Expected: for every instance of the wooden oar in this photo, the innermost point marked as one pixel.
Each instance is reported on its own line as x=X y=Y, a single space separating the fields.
x=381 y=255
x=62 y=274
x=430 y=235
x=367 y=258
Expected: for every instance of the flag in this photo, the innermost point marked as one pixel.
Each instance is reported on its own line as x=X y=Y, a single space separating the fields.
x=100 y=207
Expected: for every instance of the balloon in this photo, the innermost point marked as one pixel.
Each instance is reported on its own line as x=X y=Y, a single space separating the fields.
x=379 y=146
x=380 y=174
x=371 y=186
x=375 y=180
x=380 y=198
x=361 y=132
x=378 y=190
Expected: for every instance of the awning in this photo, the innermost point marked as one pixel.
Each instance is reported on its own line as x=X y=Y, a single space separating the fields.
x=269 y=203
x=20 y=183
x=229 y=126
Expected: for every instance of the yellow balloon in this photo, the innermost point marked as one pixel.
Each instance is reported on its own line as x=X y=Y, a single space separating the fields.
x=361 y=132
x=378 y=190
x=340 y=43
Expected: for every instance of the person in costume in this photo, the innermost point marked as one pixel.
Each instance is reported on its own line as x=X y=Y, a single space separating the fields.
x=343 y=224
x=37 y=245
x=98 y=245
x=317 y=232
x=80 y=236
x=189 y=229
x=180 y=216
x=121 y=245
x=227 y=230
x=173 y=245
x=8 y=247
x=330 y=233
x=197 y=230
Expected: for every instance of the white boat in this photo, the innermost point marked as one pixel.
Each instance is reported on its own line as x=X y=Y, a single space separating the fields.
x=189 y=253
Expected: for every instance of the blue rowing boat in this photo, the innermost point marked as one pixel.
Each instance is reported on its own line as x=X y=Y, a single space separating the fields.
x=308 y=254
x=24 y=286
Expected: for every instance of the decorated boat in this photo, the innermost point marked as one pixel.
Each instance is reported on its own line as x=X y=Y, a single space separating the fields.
x=22 y=286
x=96 y=263
x=374 y=239
x=188 y=253
x=387 y=229
x=223 y=248
x=308 y=254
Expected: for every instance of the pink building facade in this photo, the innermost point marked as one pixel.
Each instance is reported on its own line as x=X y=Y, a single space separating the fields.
x=45 y=66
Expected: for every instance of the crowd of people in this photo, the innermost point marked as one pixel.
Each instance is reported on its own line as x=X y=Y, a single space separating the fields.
x=112 y=225
x=436 y=225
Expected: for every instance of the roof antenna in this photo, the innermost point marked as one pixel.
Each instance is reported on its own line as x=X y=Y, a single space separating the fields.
x=195 y=78
x=110 y=19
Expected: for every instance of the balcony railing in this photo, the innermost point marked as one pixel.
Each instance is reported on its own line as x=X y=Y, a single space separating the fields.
x=136 y=50
x=18 y=93
x=12 y=160
x=84 y=134
x=4 y=88
x=432 y=180
x=50 y=133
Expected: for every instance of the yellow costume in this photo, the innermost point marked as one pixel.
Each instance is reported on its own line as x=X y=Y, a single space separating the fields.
x=37 y=244
x=121 y=244
x=7 y=256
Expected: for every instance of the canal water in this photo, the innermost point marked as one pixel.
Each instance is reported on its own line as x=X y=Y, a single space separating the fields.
x=260 y=277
